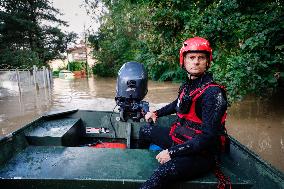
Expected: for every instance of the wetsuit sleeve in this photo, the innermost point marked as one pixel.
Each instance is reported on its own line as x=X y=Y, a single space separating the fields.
x=168 y=109
x=214 y=105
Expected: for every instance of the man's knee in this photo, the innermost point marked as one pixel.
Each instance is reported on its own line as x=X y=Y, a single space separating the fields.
x=162 y=175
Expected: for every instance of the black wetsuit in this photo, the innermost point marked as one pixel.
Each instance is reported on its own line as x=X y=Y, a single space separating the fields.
x=196 y=156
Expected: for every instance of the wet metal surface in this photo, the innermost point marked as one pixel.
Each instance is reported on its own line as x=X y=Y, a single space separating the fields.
x=62 y=132
x=256 y=123
x=53 y=128
x=40 y=166
x=81 y=163
x=59 y=163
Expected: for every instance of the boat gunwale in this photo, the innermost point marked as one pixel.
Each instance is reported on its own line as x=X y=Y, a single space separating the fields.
x=256 y=157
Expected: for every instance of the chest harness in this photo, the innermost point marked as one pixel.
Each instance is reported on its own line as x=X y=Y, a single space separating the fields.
x=189 y=124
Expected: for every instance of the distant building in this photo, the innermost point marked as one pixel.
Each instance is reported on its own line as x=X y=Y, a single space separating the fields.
x=79 y=53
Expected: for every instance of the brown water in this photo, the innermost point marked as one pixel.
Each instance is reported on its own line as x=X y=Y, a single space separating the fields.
x=256 y=123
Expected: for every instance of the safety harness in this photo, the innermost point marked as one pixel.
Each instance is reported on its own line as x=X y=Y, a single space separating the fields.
x=189 y=124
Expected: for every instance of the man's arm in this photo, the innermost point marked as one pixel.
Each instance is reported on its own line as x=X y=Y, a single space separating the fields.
x=168 y=109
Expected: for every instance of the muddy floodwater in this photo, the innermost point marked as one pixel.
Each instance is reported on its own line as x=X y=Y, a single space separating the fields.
x=256 y=123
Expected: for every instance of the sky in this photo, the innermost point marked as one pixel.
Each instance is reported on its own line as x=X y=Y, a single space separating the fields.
x=75 y=15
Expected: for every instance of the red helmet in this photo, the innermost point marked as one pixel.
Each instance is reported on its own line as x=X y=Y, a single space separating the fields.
x=196 y=44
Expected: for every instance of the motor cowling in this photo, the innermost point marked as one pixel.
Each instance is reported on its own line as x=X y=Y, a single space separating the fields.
x=131 y=88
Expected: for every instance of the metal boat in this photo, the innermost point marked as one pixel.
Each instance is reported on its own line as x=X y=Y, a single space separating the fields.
x=57 y=151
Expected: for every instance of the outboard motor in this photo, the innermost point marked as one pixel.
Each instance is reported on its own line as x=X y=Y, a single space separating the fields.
x=131 y=88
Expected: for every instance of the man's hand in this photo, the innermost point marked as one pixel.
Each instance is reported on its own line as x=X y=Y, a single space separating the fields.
x=163 y=156
x=151 y=115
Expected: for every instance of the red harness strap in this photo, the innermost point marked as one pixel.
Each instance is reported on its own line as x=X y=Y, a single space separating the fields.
x=222 y=179
x=178 y=133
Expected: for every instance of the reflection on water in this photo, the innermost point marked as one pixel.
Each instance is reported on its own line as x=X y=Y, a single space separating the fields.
x=259 y=125
x=256 y=123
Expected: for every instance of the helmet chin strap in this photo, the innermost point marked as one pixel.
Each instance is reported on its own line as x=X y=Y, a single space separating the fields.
x=189 y=75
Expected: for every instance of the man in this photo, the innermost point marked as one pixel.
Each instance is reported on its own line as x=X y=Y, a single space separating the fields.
x=192 y=142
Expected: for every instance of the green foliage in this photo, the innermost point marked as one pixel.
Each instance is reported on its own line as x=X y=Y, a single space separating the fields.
x=55 y=73
x=25 y=34
x=22 y=59
x=103 y=70
x=246 y=36
x=76 y=66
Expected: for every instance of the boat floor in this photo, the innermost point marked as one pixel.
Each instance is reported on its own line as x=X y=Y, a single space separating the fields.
x=85 y=167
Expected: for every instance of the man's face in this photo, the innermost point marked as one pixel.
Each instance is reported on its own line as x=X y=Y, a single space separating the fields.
x=196 y=63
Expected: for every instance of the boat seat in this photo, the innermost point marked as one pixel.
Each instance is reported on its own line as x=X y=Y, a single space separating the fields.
x=85 y=167
x=56 y=132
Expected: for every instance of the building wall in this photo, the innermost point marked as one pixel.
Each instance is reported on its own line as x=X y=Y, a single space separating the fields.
x=58 y=64
x=76 y=53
